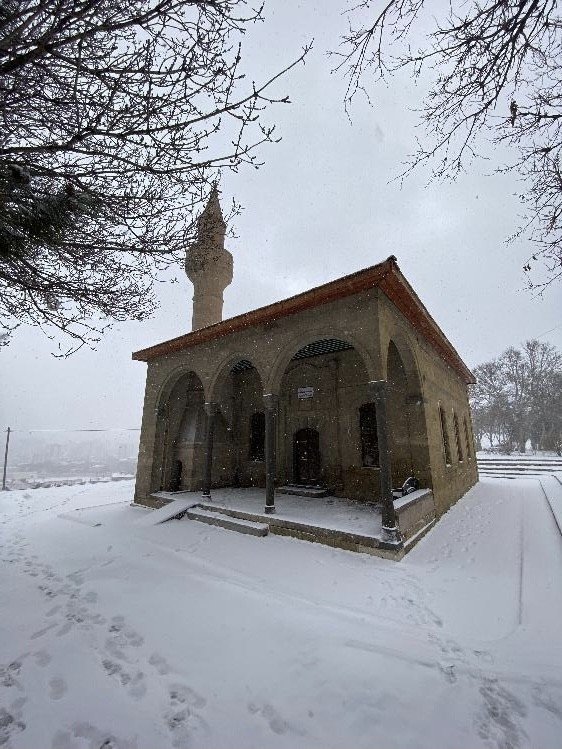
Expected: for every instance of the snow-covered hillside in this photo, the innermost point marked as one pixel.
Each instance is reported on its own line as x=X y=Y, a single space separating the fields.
x=114 y=633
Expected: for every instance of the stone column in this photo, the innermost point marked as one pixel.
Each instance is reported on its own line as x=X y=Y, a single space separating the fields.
x=390 y=530
x=270 y=402
x=211 y=410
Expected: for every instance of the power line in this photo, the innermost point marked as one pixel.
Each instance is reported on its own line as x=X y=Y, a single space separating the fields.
x=550 y=331
x=108 y=429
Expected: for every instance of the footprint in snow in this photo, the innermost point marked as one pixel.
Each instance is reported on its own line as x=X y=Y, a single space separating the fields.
x=136 y=686
x=96 y=738
x=124 y=635
x=181 y=695
x=76 y=577
x=9 y=724
x=275 y=722
x=8 y=675
x=181 y=724
x=160 y=664
x=41 y=658
x=448 y=671
x=57 y=688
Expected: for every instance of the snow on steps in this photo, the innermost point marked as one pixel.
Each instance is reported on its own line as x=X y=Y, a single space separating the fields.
x=189 y=505
x=171 y=510
x=517 y=466
x=224 y=521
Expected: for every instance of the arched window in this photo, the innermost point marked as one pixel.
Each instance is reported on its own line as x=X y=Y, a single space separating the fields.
x=458 y=438
x=257 y=436
x=368 y=432
x=467 y=438
x=445 y=435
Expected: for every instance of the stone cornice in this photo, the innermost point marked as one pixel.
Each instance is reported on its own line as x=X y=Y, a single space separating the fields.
x=385 y=276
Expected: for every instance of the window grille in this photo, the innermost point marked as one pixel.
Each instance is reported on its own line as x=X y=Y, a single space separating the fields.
x=257 y=436
x=368 y=432
x=445 y=436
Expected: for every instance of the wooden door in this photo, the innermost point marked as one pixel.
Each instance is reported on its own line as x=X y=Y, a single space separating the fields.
x=307 y=457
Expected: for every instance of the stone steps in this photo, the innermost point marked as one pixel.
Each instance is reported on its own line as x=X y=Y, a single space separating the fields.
x=221 y=520
x=531 y=469
x=304 y=491
x=523 y=463
x=518 y=466
x=171 y=510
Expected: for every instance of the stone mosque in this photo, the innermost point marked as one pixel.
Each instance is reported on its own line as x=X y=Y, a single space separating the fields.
x=348 y=390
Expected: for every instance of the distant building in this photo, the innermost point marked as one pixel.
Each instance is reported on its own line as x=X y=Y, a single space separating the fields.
x=350 y=386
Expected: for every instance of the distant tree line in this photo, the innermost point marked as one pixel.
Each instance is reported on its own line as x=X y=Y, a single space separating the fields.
x=518 y=398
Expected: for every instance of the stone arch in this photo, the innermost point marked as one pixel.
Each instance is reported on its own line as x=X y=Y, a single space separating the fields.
x=172 y=378
x=179 y=435
x=406 y=349
x=407 y=424
x=237 y=389
x=223 y=370
x=275 y=374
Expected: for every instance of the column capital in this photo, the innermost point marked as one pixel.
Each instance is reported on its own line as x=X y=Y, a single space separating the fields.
x=378 y=390
x=270 y=401
x=211 y=408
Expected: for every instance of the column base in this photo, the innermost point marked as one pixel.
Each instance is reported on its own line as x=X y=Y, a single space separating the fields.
x=269 y=509
x=391 y=535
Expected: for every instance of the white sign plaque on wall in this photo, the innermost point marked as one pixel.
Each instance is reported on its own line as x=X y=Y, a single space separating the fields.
x=306 y=392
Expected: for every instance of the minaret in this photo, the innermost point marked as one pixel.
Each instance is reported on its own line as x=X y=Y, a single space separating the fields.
x=208 y=265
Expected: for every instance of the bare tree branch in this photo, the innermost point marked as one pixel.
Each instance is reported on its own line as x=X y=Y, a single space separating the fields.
x=115 y=119
x=496 y=74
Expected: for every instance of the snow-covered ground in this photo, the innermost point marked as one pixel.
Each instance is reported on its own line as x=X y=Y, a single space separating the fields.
x=115 y=633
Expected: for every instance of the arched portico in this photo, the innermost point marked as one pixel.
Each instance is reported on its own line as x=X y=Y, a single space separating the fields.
x=178 y=445
x=408 y=439
x=323 y=386
x=235 y=411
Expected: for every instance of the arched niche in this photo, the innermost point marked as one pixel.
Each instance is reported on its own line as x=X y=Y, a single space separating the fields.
x=407 y=429
x=180 y=432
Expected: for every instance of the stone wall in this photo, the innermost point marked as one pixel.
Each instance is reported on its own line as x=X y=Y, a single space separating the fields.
x=438 y=384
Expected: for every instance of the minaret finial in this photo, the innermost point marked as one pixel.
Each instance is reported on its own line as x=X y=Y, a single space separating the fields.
x=208 y=265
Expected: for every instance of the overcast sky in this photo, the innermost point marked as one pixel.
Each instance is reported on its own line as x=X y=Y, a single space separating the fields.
x=324 y=205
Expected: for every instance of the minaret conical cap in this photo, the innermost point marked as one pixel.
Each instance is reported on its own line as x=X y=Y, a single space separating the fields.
x=211 y=218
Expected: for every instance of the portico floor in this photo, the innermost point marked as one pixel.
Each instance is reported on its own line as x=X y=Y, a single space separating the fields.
x=331 y=513
x=334 y=521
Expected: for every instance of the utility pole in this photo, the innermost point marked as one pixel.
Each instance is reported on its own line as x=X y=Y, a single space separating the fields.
x=6 y=459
